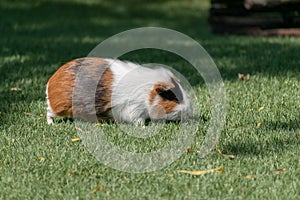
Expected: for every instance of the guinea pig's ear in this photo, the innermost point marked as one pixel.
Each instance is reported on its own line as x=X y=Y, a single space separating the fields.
x=163 y=86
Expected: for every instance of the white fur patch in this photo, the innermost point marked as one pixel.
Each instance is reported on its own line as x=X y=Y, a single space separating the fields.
x=50 y=114
x=131 y=89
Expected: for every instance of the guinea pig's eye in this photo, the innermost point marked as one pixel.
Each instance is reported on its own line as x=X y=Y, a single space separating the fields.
x=168 y=95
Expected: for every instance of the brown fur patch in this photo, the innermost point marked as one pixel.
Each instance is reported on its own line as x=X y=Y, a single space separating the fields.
x=167 y=105
x=60 y=88
x=158 y=88
x=61 y=84
x=164 y=107
x=103 y=95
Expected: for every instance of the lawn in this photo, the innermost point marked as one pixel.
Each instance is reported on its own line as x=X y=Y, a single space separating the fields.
x=258 y=150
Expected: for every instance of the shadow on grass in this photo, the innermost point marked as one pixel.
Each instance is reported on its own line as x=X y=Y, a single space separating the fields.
x=54 y=32
x=287 y=126
x=286 y=138
x=39 y=36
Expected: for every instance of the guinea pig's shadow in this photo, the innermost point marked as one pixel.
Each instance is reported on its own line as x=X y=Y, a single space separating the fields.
x=109 y=122
x=177 y=122
x=148 y=122
x=64 y=120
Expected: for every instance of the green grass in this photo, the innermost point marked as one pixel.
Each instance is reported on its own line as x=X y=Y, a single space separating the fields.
x=38 y=36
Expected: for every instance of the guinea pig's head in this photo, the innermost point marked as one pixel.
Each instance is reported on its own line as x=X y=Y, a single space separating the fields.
x=169 y=101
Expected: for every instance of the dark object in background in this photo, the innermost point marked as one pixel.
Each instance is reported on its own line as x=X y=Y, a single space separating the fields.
x=255 y=17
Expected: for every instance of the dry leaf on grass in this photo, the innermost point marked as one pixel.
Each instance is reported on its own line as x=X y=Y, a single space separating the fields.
x=258 y=124
x=100 y=188
x=261 y=108
x=72 y=172
x=250 y=177
x=225 y=155
x=201 y=172
x=75 y=139
x=15 y=89
x=190 y=150
x=278 y=171
x=42 y=159
x=243 y=76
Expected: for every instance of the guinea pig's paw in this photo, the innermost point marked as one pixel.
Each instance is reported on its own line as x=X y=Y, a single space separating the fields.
x=50 y=120
x=139 y=122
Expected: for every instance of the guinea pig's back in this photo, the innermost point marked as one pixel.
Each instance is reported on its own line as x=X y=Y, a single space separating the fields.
x=60 y=86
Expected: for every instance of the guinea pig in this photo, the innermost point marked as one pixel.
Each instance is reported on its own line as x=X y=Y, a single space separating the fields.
x=124 y=92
